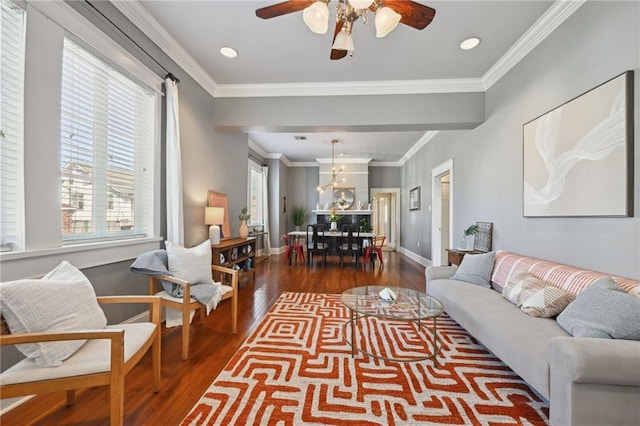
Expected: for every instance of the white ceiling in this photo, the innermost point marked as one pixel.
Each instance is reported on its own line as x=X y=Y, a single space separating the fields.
x=283 y=50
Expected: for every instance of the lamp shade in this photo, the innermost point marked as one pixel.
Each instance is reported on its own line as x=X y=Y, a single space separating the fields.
x=316 y=17
x=344 y=41
x=386 y=20
x=213 y=215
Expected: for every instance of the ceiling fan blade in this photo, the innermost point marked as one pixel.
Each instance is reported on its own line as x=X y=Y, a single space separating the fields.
x=335 y=53
x=283 y=8
x=414 y=14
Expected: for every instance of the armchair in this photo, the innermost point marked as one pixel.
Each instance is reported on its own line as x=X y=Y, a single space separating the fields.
x=104 y=360
x=186 y=304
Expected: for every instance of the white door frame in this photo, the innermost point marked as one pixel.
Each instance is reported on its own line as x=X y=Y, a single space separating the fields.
x=396 y=191
x=436 y=215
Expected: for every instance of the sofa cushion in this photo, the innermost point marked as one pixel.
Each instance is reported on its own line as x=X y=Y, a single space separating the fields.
x=193 y=265
x=63 y=300
x=517 y=339
x=521 y=286
x=476 y=269
x=603 y=310
x=547 y=302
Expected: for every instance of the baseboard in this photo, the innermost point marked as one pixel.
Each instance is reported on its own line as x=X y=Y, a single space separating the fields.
x=421 y=260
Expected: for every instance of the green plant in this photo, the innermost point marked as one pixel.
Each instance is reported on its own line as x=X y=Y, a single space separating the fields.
x=244 y=215
x=299 y=215
x=365 y=225
x=472 y=230
x=333 y=217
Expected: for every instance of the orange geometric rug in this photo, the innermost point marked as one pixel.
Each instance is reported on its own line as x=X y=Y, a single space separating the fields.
x=296 y=368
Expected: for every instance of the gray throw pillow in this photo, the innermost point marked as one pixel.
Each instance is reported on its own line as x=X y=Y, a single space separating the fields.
x=603 y=310
x=476 y=269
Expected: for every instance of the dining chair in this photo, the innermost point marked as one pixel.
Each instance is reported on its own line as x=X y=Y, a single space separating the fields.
x=374 y=250
x=316 y=243
x=350 y=244
x=293 y=248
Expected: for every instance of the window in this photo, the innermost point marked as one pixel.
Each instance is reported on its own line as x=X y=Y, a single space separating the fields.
x=256 y=199
x=12 y=30
x=107 y=140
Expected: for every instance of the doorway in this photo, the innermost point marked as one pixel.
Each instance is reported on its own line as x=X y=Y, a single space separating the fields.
x=386 y=211
x=442 y=202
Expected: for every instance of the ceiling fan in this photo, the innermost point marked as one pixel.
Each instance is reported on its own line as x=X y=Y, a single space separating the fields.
x=388 y=13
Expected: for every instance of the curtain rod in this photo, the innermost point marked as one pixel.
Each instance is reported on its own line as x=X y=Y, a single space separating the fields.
x=168 y=75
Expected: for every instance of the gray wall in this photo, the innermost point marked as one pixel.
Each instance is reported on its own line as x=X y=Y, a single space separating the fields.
x=301 y=190
x=600 y=41
x=385 y=177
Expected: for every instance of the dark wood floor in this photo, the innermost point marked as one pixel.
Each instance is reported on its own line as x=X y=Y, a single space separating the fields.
x=212 y=345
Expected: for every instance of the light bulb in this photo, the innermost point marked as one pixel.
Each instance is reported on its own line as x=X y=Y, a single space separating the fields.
x=386 y=20
x=344 y=41
x=316 y=17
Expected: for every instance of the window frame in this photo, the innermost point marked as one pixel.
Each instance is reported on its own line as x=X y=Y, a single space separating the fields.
x=253 y=166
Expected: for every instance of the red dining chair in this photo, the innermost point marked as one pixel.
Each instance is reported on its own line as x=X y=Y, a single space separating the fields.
x=293 y=248
x=374 y=250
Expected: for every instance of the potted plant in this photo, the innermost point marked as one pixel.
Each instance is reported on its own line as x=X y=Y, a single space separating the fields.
x=467 y=238
x=299 y=216
x=334 y=218
x=244 y=216
x=365 y=225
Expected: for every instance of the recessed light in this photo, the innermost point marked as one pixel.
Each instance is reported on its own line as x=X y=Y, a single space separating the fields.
x=228 y=52
x=470 y=43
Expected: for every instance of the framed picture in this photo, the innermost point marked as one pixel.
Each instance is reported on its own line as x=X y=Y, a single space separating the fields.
x=578 y=157
x=414 y=198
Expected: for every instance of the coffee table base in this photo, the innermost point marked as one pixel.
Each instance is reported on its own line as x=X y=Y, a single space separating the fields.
x=437 y=345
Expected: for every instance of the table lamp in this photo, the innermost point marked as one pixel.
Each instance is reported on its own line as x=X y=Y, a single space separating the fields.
x=214 y=217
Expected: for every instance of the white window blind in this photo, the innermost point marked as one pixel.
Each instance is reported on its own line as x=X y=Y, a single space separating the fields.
x=12 y=33
x=256 y=197
x=107 y=150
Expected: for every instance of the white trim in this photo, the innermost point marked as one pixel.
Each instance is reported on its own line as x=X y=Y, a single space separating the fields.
x=385 y=164
x=557 y=13
x=343 y=160
x=16 y=265
x=411 y=255
x=418 y=145
x=141 y=18
x=436 y=214
x=398 y=212
x=257 y=149
x=344 y=172
x=71 y=21
x=350 y=88
x=304 y=164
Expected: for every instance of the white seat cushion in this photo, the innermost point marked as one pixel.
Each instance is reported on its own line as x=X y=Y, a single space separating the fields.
x=93 y=357
x=163 y=294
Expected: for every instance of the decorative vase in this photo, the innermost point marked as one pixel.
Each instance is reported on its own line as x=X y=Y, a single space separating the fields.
x=334 y=226
x=467 y=242
x=298 y=228
x=243 y=230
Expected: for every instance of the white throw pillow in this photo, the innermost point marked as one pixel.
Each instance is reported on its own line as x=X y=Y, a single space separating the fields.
x=193 y=265
x=63 y=300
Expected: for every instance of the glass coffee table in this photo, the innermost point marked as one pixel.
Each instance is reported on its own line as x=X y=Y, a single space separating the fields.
x=410 y=305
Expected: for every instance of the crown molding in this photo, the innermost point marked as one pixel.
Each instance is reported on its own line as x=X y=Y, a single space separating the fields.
x=418 y=145
x=349 y=88
x=342 y=160
x=141 y=18
x=557 y=13
x=257 y=148
x=385 y=164
x=303 y=164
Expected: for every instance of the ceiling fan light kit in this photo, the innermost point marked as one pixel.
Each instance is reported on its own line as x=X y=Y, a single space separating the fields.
x=316 y=17
x=388 y=14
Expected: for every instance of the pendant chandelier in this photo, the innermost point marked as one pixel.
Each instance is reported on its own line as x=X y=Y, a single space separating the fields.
x=334 y=173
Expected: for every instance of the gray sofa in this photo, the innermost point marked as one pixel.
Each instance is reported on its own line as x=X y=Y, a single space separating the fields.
x=587 y=381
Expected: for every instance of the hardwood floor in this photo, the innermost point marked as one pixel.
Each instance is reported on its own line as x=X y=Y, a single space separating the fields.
x=212 y=345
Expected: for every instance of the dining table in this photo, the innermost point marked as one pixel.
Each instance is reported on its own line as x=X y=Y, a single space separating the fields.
x=334 y=235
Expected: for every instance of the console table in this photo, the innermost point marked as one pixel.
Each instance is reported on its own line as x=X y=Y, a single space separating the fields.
x=236 y=253
x=455 y=256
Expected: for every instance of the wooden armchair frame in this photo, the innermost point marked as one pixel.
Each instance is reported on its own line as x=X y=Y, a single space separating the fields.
x=114 y=378
x=187 y=304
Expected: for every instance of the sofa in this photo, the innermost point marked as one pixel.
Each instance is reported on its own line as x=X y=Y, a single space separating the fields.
x=587 y=381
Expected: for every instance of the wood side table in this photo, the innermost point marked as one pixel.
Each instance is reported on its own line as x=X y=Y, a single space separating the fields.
x=455 y=256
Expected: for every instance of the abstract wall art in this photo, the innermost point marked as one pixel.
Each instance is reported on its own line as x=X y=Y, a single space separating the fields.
x=578 y=157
